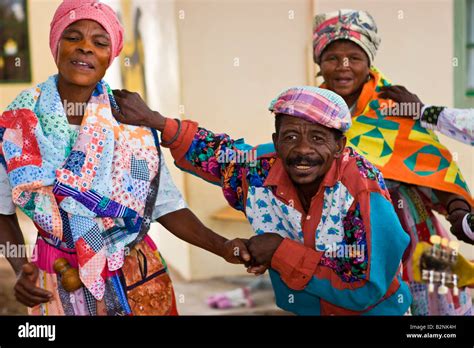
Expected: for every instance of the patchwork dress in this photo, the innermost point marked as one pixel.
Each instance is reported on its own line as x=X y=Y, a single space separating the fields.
x=92 y=193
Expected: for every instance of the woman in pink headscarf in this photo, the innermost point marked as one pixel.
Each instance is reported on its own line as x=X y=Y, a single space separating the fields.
x=90 y=184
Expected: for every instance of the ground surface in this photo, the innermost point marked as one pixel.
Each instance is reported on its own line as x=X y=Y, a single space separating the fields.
x=190 y=296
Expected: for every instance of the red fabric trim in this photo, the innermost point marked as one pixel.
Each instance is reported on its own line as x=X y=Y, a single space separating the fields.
x=328 y=308
x=181 y=145
x=295 y=263
x=364 y=202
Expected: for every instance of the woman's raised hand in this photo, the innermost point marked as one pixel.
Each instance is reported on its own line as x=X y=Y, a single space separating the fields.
x=134 y=111
x=408 y=103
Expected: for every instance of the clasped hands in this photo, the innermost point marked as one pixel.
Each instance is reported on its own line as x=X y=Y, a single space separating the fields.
x=255 y=253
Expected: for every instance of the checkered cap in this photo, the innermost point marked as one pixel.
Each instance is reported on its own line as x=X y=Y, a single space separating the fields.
x=315 y=105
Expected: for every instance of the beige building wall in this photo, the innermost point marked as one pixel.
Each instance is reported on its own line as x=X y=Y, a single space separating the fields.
x=417 y=42
x=236 y=56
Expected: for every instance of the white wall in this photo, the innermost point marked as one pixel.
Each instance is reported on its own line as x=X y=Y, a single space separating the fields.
x=160 y=37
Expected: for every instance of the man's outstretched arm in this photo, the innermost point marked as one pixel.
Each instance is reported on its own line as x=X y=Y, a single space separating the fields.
x=186 y=226
x=216 y=158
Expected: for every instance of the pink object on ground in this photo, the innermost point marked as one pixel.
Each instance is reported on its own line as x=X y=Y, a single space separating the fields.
x=240 y=297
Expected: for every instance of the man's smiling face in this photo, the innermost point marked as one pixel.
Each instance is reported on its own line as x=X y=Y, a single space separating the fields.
x=306 y=149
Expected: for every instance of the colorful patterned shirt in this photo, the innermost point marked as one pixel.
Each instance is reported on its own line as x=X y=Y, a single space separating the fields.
x=342 y=256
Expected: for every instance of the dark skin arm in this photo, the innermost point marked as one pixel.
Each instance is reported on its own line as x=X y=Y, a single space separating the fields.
x=183 y=223
x=458 y=207
x=11 y=233
x=134 y=111
x=399 y=94
x=25 y=289
x=262 y=248
x=186 y=226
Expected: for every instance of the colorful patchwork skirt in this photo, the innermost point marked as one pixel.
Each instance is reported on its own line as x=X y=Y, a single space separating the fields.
x=141 y=287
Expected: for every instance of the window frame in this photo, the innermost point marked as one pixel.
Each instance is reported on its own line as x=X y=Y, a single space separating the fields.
x=463 y=97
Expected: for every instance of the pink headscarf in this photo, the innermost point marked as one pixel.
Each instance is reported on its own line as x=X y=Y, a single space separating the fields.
x=71 y=11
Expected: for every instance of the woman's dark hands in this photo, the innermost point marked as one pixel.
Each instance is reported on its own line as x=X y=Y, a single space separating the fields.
x=262 y=247
x=134 y=111
x=235 y=251
x=457 y=208
x=456 y=218
x=26 y=290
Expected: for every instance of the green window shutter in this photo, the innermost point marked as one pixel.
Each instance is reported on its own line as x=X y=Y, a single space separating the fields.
x=463 y=53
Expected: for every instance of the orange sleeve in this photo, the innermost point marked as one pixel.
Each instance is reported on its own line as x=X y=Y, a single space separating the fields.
x=180 y=146
x=295 y=263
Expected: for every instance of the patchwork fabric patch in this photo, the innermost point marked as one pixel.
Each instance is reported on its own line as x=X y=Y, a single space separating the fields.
x=337 y=201
x=11 y=150
x=94 y=239
x=115 y=260
x=44 y=221
x=85 y=251
x=140 y=189
x=139 y=169
x=113 y=237
x=75 y=162
x=268 y=214
x=80 y=225
x=349 y=259
x=67 y=234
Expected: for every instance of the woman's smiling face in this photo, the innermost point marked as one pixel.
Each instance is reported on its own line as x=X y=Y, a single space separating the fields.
x=345 y=68
x=84 y=53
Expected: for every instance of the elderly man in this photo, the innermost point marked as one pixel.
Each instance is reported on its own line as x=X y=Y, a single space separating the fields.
x=322 y=214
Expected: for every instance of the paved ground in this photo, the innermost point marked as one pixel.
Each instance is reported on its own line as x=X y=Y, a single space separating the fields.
x=196 y=292
x=8 y=303
x=190 y=296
